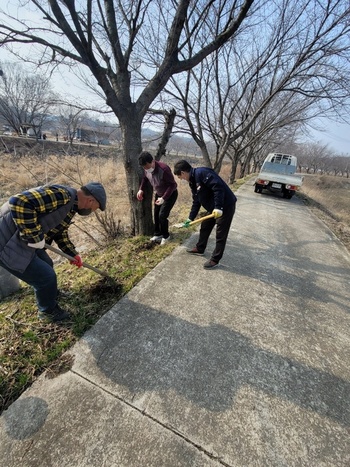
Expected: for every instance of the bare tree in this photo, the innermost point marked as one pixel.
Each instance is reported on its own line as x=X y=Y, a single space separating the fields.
x=288 y=67
x=69 y=120
x=24 y=99
x=313 y=157
x=119 y=43
x=342 y=165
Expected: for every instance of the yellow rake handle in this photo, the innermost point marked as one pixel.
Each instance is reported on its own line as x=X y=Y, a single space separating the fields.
x=201 y=219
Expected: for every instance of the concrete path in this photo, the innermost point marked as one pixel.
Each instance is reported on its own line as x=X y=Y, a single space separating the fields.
x=244 y=365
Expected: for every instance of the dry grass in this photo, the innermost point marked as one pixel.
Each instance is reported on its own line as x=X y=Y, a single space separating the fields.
x=74 y=170
x=28 y=347
x=329 y=198
x=20 y=173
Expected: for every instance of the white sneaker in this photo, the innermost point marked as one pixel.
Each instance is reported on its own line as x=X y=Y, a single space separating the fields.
x=156 y=238
x=165 y=240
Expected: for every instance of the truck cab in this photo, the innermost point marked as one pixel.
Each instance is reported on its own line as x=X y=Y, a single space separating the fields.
x=280 y=163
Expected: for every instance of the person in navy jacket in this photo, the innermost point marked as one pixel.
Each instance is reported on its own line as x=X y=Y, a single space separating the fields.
x=210 y=191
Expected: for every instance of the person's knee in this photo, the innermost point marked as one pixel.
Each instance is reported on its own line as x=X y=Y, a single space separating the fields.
x=163 y=216
x=46 y=278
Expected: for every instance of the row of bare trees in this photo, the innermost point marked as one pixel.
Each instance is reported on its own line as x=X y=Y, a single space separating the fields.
x=319 y=158
x=242 y=76
x=265 y=88
x=27 y=101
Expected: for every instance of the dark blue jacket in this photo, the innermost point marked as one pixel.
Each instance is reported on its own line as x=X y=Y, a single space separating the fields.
x=209 y=190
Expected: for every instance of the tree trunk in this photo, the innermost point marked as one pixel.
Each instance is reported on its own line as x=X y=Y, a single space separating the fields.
x=234 y=163
x=205 y=154
x=140 y=212
x=168 y=129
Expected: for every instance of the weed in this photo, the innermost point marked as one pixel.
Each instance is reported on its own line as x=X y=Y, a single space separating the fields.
x=329 y=198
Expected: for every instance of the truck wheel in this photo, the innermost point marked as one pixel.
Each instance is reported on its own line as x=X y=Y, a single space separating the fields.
x=258 y=188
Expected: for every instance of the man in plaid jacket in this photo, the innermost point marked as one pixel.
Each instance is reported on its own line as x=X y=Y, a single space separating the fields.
x=37 y=216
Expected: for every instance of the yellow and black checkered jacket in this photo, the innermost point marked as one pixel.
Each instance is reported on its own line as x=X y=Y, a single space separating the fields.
x=33 y=215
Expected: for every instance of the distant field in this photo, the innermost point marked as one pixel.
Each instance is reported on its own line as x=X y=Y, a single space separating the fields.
x=329 y=197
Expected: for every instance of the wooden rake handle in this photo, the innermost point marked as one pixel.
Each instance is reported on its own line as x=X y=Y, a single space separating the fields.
x=197 y=221
x=201 y=219
x=85 y=265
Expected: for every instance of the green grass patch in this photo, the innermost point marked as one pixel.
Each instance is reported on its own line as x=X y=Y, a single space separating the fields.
x=28 y=347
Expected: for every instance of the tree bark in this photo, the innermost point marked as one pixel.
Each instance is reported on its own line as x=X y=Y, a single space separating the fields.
x=141 y=220
x=168 y=129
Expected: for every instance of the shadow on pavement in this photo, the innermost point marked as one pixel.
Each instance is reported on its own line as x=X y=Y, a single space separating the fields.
x=148 y=350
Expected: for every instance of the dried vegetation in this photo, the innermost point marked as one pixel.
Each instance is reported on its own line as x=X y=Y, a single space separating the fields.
x=28 y=347
x=329 y=198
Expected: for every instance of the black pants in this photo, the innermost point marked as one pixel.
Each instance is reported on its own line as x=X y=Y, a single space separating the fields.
x=223 y=224
x=161 y=214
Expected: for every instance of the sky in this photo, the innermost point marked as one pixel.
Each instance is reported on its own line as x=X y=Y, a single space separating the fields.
x=336 y=136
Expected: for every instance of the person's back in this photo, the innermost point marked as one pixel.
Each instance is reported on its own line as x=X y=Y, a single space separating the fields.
x=210 y=191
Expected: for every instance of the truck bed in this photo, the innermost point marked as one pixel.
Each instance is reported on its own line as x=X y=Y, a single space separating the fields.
x=296 y=180
x=279 y=183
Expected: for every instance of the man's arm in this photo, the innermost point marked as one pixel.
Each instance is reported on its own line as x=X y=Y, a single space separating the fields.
x=143 y=183
x=212 y=181
x=63 y=241
x=169 y=182
x=26 y=208
x=196 y=205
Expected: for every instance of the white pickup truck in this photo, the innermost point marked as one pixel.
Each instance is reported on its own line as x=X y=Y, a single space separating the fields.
x=278 y=174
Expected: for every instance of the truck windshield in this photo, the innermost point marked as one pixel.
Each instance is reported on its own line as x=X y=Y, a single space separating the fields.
x=281 y=159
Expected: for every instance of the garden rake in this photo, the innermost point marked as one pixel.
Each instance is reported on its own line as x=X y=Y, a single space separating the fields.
x=85 y=265
x=197 y=221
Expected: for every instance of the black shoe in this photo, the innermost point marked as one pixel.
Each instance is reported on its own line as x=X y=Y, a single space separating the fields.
x=195 y=251
x=55 y=315
x=210 y=264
